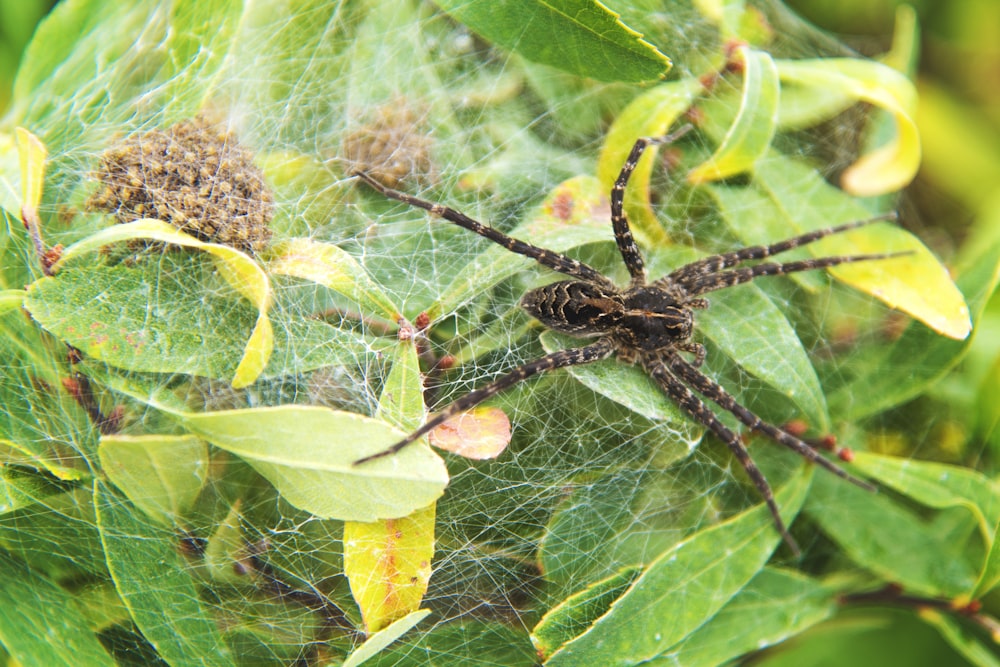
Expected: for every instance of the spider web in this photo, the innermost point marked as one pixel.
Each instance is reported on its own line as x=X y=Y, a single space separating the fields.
x=592 y=482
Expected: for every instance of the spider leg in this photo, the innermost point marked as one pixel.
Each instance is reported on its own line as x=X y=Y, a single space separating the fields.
x=714 y=392
x=716 y=263
x=697 y=409
x=623 y=233
x=711 y=282
x=553 y=260
x=602 y=349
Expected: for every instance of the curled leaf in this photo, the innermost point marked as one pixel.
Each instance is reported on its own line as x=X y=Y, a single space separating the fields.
x=481 y=433
x=649 y=115
x=915 y=283
x=749 y=136
x=893 y=165
x=237 y=268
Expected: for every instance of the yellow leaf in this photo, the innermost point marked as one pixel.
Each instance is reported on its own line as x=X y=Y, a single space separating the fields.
x=32 y=156
x=388 y=564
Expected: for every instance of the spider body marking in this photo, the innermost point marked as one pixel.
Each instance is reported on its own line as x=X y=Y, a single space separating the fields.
x=643 y=318
x=649 y=324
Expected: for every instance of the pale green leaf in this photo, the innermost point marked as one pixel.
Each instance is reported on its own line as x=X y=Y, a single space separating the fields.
x=328 y=265
x=308 y=454
x=378 y=641
x=238 y=269
x=161 y=474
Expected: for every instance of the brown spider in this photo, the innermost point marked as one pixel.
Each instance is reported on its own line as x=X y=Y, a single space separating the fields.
x=645 y=323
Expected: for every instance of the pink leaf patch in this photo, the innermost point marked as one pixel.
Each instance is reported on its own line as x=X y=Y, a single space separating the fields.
x=480 y=433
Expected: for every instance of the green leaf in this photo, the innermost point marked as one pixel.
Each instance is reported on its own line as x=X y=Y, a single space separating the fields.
x=592 y=41
x=942 y=486
x=749 y=135
x=748 y=328
x=105 y=312
x=155 y=585
x=28 y=602
x=683 y=588
x=161 y=475
x=378 y=641
x=199 y=41
x=775 y=605
x=576 y=613
x=308 y=454
x=580 y=541
x=241 y=272
x=965 y=642
x=890 y=540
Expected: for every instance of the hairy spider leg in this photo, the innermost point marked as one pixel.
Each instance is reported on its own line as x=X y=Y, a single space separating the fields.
x=700 y=412
x=602 y=349
x=553 y=260
x=726 y=260
x=716 y=393
x=623 y=233
x=715 y=281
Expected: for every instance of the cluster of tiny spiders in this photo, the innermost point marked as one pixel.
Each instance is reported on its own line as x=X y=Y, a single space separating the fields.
x=647 y=323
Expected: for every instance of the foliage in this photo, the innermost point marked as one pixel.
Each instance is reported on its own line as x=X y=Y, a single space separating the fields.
x=182 y=416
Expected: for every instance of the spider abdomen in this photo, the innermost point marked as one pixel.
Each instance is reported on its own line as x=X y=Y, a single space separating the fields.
x=575 y=307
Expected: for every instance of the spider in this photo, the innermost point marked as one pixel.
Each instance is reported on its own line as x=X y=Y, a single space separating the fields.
x=646 y=323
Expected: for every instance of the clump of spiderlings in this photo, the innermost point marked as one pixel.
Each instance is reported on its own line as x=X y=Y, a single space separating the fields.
x=194 y=175
x=391 y=148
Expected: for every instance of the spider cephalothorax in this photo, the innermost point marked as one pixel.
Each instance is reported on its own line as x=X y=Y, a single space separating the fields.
x=649 y=324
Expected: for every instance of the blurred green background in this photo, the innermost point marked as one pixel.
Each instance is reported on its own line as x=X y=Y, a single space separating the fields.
x=17 y=23
x=959 y=82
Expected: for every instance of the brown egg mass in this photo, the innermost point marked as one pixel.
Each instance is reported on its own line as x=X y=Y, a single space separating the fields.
x=391 y=148
x=194 y=175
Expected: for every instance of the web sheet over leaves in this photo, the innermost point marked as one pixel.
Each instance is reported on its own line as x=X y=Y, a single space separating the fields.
x=209 y=529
